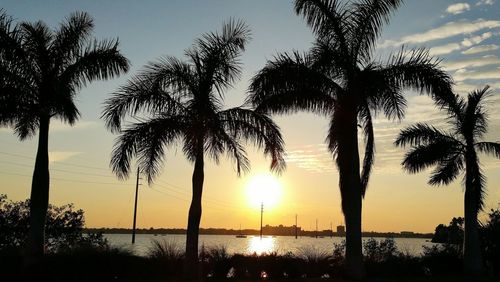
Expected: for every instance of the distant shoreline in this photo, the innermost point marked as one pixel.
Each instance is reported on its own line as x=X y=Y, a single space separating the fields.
x=222 y=231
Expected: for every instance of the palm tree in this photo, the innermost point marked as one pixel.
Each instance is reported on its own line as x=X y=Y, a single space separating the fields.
x=41 y=71
x=454 y=153
x=179 y=100
x=339 y=79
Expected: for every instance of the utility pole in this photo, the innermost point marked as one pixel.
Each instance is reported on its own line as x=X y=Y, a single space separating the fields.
x=296 y=228
x=331 y=229
x=261 y=214
x=135 y=205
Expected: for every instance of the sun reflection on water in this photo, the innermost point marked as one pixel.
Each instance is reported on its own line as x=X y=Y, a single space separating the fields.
x=261 y=245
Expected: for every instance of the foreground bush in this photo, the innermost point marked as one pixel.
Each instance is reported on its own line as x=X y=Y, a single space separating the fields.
x=63 y=229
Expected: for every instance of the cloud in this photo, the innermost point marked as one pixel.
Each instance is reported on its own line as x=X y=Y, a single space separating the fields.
x=485 y=2
x=481 y=49
x=58 y=156
x=477 y=75
x=468 y=42
x=458 y=8
x=445 y=31
x=444 y=49
x=473 y=62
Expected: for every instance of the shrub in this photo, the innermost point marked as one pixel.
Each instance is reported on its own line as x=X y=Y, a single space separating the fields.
x=63 y=230
x=380 y=251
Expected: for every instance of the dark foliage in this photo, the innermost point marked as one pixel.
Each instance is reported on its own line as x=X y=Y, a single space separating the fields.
x=490 y=235
x=64 y=228
x=450 y=234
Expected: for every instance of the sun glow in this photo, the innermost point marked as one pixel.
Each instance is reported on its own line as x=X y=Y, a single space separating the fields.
x=264 y=188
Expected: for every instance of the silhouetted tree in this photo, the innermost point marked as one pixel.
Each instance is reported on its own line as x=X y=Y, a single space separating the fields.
x=339 y=79
x=450 y=234
x=63 y=230
x=454 y=153
x=41 y=71
x=183 y=101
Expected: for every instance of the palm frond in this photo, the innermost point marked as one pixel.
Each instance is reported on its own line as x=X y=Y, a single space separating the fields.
x=421 y=157
x=475 y=120
x=417 y=70
x=290 y=84
x=422 y=134
x=489 y=148
x=382 y=94
x=475 y=183
x=235 y=150
x=447 y=170
x=37 y=38
x=158 y=89
x=146 y=140
x=99 y=61
x=64 y=106
x=218 y=55
x=257 y=128
x=327 y=18
x=72 y=36
x=369 y=16
x=27 y=122
x=369 y=158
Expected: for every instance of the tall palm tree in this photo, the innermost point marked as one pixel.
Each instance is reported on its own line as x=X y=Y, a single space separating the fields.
x=339 y=79
x=454 y=153
x=41 y=71
x=179 y=100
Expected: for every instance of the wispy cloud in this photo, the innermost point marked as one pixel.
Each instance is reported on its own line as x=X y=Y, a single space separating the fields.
x=477 y=75
x=444 y=49
x=458 y=8
x=59 y=156
x=485 y=2
x=474 y=40
x=481 y=49
x=472 y=62
x=445 y=31
x=465 y=43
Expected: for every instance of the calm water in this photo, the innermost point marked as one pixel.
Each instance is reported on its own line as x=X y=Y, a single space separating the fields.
x=251 y=244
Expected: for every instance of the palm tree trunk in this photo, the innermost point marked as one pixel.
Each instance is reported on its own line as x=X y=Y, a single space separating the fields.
x=350 y=189
x=471 y=247
x=191 y=264
x=39 y=199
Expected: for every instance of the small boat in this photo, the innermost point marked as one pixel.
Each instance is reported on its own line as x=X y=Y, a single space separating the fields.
x=241 y=235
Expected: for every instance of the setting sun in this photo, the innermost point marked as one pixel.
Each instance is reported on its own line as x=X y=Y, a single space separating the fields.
x=264 y=188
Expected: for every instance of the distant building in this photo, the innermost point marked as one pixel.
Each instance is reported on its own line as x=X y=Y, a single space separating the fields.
x=407 y=233
x=341 y=230
x=280 y=230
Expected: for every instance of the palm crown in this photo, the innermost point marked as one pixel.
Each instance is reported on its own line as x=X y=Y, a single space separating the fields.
x=41 y=70
x=183 y=100
x=453 y=152
x=338 y=73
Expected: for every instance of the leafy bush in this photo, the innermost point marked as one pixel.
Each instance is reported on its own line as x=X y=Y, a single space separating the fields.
x=380 y=251
x=63 y=230
x=490 y=235
x=443 y=258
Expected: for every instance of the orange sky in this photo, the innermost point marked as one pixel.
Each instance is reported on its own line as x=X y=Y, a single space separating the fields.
x=395 y=201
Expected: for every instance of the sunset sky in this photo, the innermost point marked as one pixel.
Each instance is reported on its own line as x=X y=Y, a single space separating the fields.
x=465 y=34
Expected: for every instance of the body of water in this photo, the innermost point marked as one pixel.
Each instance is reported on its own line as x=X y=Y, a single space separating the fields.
x=254 y=244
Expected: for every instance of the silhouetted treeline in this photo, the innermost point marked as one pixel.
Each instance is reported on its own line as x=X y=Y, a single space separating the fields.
x=254 y=232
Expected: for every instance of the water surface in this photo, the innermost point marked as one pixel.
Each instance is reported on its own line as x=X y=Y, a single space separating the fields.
x=254 y=244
